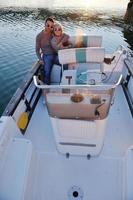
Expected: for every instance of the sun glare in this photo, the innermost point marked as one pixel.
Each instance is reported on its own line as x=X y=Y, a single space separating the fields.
x=91 y=3
x=84 y=3
x=74 y=3
x=102 y=3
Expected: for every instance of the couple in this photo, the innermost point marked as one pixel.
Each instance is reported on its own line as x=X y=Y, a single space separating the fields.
x=48 y=42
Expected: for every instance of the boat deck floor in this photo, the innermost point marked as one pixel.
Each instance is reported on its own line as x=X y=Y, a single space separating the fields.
x=102 y=177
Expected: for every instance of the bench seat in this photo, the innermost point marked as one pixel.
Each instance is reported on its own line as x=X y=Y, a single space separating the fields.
x=14 y=174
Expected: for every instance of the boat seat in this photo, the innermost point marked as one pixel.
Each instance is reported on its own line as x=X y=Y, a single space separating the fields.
x=81 y=55
x=92 y=57
x=15 y=156
x=56 y=74
x=84 y=59
x=86 y=41
x=8 y=130
x=76 y=41
x=14 y=175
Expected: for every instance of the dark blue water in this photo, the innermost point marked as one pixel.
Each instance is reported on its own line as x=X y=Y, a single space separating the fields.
x=19 y=27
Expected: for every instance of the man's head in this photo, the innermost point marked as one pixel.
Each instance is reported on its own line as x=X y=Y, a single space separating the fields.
x=49 y=24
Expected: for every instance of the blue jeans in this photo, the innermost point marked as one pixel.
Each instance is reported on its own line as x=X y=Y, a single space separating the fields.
x=48 y=64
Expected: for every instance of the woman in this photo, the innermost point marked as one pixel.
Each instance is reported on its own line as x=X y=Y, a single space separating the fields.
x=44 y=51
x=60 y=40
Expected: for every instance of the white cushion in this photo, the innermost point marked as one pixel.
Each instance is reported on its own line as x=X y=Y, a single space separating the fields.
x=81 y=55
x=67 y=56
x=94 y=41
x=56 y=74
x=95 y=54
x=86 y=41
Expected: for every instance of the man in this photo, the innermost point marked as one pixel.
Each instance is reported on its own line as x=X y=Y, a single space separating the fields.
x=44 y=51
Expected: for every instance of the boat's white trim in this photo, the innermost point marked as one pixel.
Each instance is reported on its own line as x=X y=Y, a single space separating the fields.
x=107 y=86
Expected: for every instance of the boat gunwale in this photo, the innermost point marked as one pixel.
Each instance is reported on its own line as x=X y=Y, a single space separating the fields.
x=130 y=70
x=21 y=90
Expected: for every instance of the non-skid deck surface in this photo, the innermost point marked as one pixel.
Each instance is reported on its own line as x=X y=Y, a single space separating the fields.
x=100 y=177
x=40 y=130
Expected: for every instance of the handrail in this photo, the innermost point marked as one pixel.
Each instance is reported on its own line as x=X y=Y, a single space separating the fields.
x=129 y=69
x=43 y=86
x=121 y=47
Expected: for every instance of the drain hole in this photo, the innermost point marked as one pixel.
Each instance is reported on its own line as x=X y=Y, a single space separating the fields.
x=75 y=194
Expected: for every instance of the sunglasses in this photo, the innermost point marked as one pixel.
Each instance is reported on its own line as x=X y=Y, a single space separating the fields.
x=57 y=29
x=47 y=25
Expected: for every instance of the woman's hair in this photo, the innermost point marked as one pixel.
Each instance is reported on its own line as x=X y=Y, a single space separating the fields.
x=57 y=24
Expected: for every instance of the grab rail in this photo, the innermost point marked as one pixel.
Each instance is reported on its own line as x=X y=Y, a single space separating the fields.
x=39 y=85
x=128 y=67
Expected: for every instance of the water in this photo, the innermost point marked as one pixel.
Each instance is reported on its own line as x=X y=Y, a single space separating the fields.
x=19 y=27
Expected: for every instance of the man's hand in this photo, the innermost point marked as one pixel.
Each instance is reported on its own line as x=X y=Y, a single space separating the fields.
x=41 y=62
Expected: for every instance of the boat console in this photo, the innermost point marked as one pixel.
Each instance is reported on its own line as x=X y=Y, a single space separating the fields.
x=78 y=114
x=79 y=105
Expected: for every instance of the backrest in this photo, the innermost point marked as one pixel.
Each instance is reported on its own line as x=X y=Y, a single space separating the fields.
x=81 y=55
x=86 y=41
x=94 y=41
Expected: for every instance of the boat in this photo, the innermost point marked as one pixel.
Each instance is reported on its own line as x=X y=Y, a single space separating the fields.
x=72 y=139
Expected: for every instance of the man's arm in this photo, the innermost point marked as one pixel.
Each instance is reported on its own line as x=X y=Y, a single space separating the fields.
x=38 y=47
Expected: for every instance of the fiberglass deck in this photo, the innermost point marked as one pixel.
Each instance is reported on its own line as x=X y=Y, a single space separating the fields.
x=100 y=177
